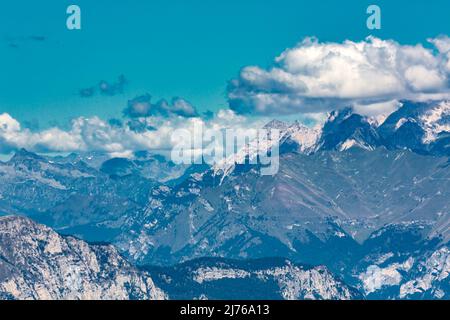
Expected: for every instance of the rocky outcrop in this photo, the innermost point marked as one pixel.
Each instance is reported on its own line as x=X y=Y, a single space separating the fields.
x=38 y=263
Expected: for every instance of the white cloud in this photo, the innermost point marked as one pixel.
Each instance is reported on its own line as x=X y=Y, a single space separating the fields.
x=423 y=79
x=95 y=134
x=13 y=136
x=375 y=109
x=315 y=77
x=441 y=43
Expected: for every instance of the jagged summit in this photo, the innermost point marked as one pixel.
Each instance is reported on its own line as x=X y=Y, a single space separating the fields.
x=345 y=129
x=276 y=124
x=23 y=154
x=420 y=127
x=292 y=137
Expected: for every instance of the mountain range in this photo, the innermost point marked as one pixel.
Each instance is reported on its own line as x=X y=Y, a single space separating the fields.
x=38 y=263
x=361 y=204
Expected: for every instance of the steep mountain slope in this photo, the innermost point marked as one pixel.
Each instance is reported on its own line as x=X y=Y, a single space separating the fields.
x=421 y=127
x=37 y=263
x=314 y=204
x=345 y=129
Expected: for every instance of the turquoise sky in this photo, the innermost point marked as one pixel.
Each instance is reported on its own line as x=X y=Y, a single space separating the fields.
x=171 y=47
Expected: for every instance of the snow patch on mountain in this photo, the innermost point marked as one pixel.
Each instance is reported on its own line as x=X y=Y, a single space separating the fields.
x=352 y=143
x=435 y=121
x=402 y=121
x=377 y=121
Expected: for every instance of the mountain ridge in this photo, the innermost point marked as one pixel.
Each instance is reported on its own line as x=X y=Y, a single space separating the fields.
x=341 y=191
x=37 y=263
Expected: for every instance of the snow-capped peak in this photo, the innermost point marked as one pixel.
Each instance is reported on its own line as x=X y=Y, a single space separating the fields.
x=378 y=120
x=23 y=154
x=305 y=137
x=277 y=124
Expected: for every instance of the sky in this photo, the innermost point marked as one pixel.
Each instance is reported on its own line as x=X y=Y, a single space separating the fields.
x=138 y=71
x=171 y=48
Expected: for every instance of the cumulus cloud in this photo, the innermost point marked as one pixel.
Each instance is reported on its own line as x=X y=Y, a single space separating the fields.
x=141 y=107
x=373 y=76
x=13 y=136
x=317 y=77
x=113 y=137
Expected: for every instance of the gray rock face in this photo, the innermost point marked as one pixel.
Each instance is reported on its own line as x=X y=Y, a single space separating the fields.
x=393 y=276
x=38 y=263
x=274 y=278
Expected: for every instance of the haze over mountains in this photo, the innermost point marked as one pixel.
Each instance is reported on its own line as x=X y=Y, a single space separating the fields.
x=368 y=198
